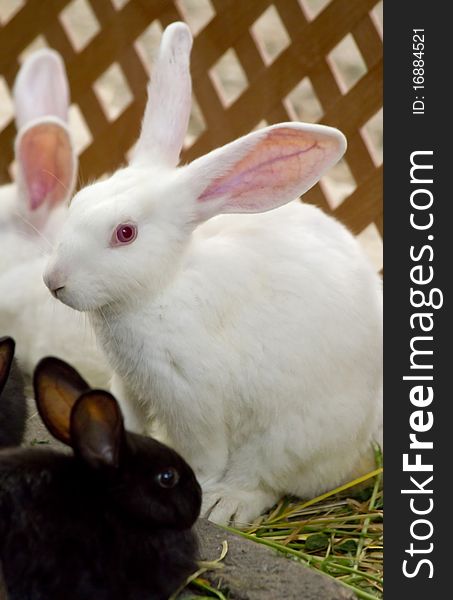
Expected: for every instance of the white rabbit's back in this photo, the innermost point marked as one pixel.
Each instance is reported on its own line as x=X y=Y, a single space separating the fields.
x=20 y=239
x=16 y=246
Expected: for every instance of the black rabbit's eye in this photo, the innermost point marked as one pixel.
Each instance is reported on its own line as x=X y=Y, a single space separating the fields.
x=168 y=478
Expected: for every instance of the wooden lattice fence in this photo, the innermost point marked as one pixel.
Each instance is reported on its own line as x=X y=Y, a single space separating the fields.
x=277 y=53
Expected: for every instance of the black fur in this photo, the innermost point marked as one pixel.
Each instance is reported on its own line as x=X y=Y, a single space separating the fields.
x=73 y=529
x=67 y=532
x=13 y=411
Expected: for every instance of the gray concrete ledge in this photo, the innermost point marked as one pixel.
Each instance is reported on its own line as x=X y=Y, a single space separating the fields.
x=254 y=572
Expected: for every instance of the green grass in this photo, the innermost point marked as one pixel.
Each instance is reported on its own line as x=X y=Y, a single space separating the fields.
x=339 y=533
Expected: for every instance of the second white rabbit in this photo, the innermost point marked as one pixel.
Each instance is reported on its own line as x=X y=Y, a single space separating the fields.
x=32 y=210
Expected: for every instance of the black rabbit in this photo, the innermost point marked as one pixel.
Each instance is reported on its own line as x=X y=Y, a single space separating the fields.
x=110 y=522
x=12 y=397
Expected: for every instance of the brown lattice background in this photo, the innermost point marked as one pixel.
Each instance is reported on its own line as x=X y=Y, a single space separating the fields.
x=254 y=62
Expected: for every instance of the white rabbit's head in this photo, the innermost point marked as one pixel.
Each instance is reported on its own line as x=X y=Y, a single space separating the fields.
x=47 y=163
x=126 y=236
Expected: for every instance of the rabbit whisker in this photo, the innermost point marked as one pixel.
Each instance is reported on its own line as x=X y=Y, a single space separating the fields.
x=65 y=187
x=35 y=229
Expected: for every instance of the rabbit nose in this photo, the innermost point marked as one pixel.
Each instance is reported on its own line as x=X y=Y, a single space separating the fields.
x=56 y=290
x=54 y=281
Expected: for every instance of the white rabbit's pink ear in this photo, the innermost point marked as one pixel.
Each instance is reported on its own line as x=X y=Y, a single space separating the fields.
x=44 y=149
x=41 y=88
x=47 y=163
x=169 y=101
x=263 y=170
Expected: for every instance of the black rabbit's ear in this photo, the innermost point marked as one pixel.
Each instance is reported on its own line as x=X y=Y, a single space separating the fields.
x=6 y=358
x=97 y=429
x=57 y=387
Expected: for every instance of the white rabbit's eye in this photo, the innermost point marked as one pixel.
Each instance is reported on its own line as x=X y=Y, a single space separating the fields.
x=125 y=233
x=168 y=478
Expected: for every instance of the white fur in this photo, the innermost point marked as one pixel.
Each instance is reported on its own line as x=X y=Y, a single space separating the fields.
x=41 y=326
x=41 y=88
x=38 y=323
x=164 y=129
x=41 y=96
x=252 y=342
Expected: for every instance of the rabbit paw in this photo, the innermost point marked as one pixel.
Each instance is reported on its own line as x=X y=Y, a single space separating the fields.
x=224 y=506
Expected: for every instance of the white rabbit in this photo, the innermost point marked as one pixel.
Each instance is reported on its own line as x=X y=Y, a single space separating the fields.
x=253 y=340
x=32 y=211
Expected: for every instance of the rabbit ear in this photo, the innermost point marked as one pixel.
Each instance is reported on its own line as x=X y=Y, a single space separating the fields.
x=57 y=387
x=97 y=430
x=41 y=88
x=7 y=346
x=169 y=100
x=44 y=149
x=47 y=163
x=263 y=170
